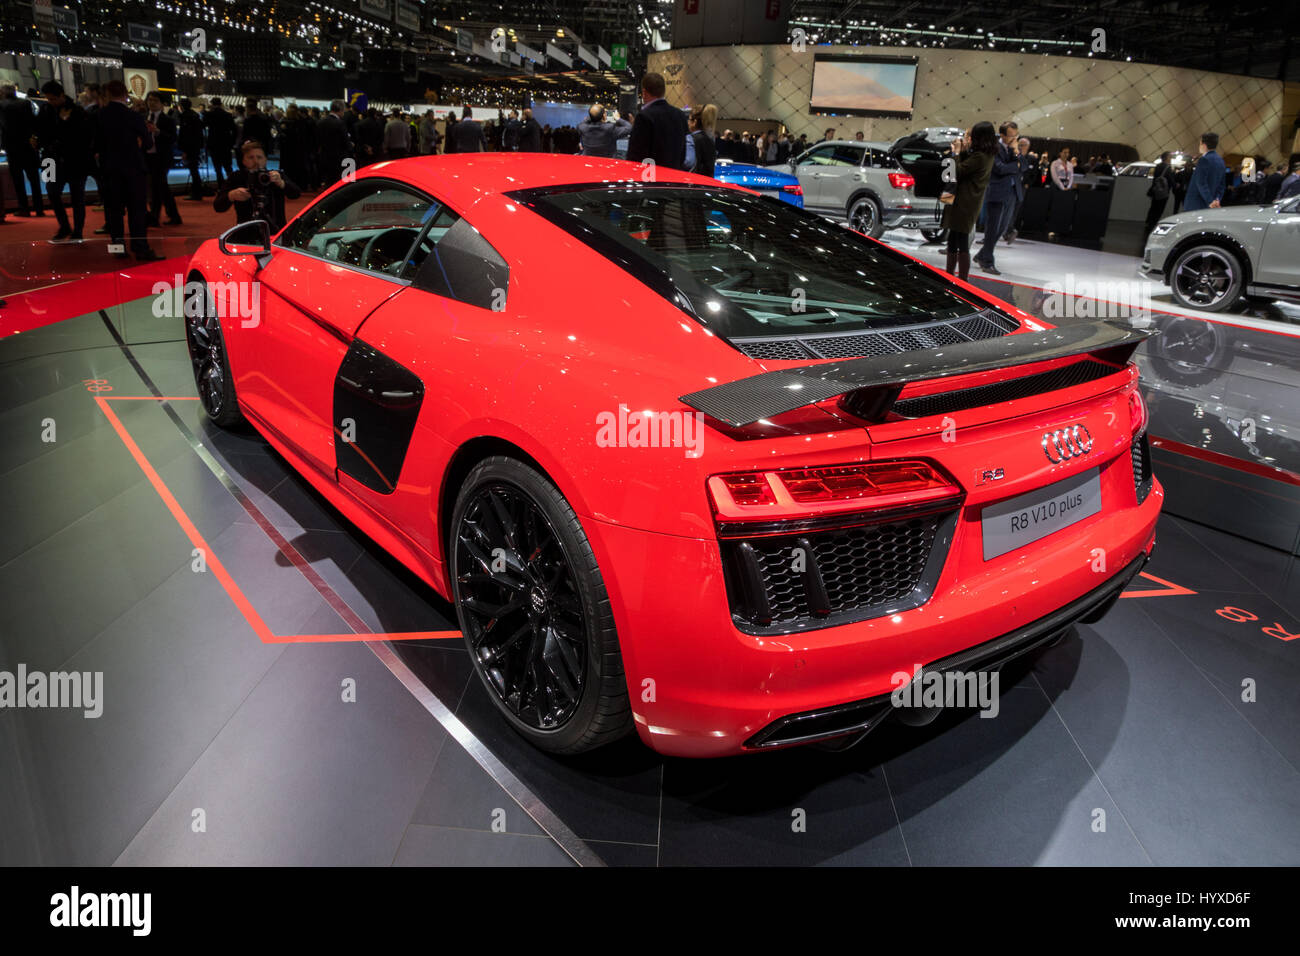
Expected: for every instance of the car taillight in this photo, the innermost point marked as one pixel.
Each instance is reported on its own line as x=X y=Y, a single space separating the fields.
x=807 y=492
x=902 y=180
x=794 y=190
x=1137 y=411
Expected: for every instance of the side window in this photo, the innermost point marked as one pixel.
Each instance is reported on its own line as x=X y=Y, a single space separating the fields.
x=848 y=155
x=818 y=156
x=460 y=264
x=372 y=224
x=439 y=219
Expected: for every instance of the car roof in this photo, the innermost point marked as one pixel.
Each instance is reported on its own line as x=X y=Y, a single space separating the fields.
x=462 y=179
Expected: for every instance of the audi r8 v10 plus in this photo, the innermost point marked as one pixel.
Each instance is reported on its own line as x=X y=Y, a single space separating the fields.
x=686 y=459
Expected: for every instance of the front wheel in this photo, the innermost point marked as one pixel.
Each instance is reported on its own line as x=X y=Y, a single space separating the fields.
x=1207 y=277
x=207 y=348
x=865 y=217
x=534 y=612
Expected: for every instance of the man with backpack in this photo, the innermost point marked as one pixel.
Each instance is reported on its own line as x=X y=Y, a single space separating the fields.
x=1162 y=186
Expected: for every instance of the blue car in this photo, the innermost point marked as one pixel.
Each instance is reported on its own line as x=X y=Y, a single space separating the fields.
x=766 y=180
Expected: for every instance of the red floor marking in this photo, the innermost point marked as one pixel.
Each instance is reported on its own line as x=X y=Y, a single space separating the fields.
x=1170 y=589
x=1258 y=469
x=264 y=633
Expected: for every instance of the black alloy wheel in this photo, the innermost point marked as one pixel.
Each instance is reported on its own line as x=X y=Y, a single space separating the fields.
x=207 y=350
x=533 y=610
x=1207 y=277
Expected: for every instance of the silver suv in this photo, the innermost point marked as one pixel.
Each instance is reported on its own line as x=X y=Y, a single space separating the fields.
x=1212 y=257
x=864 y=183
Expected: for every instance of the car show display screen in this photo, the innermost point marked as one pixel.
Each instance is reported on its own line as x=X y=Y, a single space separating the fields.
x=863 y=85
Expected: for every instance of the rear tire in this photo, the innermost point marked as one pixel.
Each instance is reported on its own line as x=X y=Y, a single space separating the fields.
x=934 y=235
x=534 y=611
x=865 y=217
x=207 y=348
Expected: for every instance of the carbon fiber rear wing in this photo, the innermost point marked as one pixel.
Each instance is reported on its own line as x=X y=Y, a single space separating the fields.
x=874 y=383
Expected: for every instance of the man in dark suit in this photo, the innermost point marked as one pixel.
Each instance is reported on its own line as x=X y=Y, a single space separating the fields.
x=18 y=124
x=530 y=134
x=257 y=125
x=159 y=158
x=221 y=139
x=121 y=138
x=659 y=131
x=64 y=134
x=334 y=143
x=467 y=135
x=1000 y=198
x=190 y=140
x=1205 y=190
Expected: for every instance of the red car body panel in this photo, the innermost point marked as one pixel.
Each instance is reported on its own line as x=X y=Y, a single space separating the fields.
x=580 y=337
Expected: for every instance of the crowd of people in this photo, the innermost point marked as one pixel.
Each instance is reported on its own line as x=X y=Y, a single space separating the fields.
x=128 y=147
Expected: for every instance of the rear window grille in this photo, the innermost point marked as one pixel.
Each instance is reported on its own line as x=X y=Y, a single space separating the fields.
x=1052 y=380
x=986 y=325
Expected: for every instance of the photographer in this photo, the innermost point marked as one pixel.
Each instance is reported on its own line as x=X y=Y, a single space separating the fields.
x=255 y=191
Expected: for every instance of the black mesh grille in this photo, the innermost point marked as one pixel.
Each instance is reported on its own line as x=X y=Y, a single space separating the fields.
x=852 y=346
x=774 y=349
x=986 y=325
x=1141 y=454
x=828 y=576
x=942 y=403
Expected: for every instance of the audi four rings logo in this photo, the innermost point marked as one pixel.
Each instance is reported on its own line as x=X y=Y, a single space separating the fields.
x=1066 y=443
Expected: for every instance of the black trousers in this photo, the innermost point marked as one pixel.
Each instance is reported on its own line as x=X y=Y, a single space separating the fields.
x=24 y=162
x=996 y=214
x=75 y=180
x=221 y=159
x=160 y=194
x=192 y=161
x=1155 y=212
x=125 y=193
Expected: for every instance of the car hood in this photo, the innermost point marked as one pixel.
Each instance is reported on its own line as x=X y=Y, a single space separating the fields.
x=1228 y=214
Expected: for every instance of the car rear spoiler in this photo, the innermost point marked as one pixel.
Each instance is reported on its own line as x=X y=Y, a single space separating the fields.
x=876 y=382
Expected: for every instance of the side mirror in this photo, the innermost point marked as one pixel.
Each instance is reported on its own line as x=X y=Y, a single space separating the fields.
x=257 y=233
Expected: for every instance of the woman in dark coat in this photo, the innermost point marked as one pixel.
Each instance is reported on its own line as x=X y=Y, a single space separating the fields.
x=974 y=156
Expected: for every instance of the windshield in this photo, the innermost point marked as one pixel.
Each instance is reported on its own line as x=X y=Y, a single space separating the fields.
x=751 y=266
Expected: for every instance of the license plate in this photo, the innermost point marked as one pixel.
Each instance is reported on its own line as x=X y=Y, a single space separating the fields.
x=1036 y=514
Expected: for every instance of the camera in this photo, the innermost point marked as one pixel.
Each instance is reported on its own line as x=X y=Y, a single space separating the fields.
x=262 y=178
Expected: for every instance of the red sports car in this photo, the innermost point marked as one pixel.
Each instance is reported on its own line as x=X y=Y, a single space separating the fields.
x=685 y=458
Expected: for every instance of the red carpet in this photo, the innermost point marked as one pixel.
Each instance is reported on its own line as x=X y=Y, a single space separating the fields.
x=39 y=282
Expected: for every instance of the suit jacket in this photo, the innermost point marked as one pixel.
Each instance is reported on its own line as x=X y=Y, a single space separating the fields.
x=1207 y=182
x=121 y=139
x=190 y=137
x=18 y=124
x=530 y=136
x=66 y=141
x=467 y=137
x=332 y=136
x=1004 y=181
x=165 y=138
x=221 y=130
x=601 y=139
x=659 y=133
